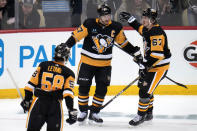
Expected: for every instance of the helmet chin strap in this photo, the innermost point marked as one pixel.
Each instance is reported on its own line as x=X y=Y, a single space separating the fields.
x=150 y=23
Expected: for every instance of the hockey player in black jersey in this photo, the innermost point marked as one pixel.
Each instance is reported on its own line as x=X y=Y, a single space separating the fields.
x=50 y=83
x=99 y=36
x=155 y=64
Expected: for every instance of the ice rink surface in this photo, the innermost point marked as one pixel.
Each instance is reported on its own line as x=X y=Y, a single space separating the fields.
x=171 y=113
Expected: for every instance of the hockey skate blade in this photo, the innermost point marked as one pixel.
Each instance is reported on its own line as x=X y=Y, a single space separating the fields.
x=93 y=123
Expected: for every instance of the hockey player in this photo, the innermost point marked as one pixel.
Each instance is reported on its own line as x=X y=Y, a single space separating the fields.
x=155 y=64
x=50 y=83
x=99 y=36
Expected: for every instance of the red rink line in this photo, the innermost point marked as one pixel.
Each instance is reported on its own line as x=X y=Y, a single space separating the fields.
x=71 y=29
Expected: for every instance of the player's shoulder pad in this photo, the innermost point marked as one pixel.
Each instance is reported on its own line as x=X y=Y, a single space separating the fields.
x=46 y=62
x=69 y=71
x=89 y=22
x=158 y=29
x=43 y=63
x=117 y=25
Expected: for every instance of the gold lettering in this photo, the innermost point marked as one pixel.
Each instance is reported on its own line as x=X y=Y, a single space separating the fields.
x=54 y=69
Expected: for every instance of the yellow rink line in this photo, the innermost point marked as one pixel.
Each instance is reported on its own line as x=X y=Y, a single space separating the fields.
x=113 y=90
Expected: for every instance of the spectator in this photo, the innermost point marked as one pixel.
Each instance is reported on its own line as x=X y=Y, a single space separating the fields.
x=192 y=12
x=7 y=19
x=76 y=12
x=176 y=13
x=28 y=15
x=57 y=13
x=93 y=4
x=135 y=7
x=169 y=13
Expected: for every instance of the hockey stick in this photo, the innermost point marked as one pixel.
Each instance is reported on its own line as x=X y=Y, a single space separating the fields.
x=120 y=92
x=14 y=82
x=179 y=84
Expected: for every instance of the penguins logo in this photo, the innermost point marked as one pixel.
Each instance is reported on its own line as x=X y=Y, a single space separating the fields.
x=102 y=42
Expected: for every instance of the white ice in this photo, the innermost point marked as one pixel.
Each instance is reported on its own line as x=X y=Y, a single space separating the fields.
x=171 y=113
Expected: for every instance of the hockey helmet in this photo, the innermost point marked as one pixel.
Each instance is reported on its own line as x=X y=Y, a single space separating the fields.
x=150 y=13
x=103 y=9
x=62 y=53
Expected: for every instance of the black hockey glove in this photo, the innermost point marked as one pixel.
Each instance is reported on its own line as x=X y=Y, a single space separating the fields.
x=137 y=56
x=72 y=116
x=26 y=105
x=65 y=47
x=126 y=17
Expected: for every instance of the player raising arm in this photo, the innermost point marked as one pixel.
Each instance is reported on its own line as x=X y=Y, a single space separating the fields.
x=155 y=64
x=99 y=36
x=50 y=83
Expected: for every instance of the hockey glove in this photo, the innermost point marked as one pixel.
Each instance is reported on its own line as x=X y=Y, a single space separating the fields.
x=26 y=105
x=72 y=116
x=137 y=56
x=65 y=47
x=125 y=16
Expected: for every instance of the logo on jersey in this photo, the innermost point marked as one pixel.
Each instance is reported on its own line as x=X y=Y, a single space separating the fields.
x=190 y=54
x=1 y=57
x=94 y=31
x=102 y=42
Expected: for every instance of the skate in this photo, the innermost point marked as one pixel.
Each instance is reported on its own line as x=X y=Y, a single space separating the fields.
x=137 y=120
x=82 y=116
x=94 y=117
x=148 y=117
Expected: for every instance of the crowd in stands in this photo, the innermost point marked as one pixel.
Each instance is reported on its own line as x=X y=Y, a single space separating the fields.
x=31 y=14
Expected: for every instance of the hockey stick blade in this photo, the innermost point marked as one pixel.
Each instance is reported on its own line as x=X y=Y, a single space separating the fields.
x=120 y=93
x=14 y=82
x=179 y=84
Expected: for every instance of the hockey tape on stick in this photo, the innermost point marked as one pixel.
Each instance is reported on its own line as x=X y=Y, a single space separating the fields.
x=14 y=82
x=136 y=79
x=179 y=84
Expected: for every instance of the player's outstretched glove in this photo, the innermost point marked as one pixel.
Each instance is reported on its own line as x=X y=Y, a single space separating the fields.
x=26 y=105
x=125 y=16
x=72 y=116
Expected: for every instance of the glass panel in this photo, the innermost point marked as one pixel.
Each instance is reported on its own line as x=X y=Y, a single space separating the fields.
x=31 y=14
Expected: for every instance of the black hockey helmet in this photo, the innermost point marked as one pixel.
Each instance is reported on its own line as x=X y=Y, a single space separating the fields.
x=150 y=13
x=103 y=9
x=62 y=53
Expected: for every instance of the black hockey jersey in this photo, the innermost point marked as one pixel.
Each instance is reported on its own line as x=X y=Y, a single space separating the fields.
x=98 y=41
x=156 y=51
x=52 y=76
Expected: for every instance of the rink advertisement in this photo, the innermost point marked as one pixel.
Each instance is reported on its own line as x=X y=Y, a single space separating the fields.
x=22 y=52
x=190 y=54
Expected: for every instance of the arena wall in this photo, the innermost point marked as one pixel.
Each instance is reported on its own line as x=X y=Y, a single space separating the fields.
x=22 y=51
